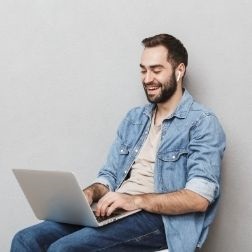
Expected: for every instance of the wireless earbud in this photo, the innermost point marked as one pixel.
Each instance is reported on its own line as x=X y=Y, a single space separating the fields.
x=178 y=77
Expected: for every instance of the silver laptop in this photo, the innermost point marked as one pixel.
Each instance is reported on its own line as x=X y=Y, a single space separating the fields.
x=57 y=196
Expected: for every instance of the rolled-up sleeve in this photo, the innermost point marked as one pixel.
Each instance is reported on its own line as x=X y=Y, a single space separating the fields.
x=103 y=181
x=204 y=160
x=203 y=187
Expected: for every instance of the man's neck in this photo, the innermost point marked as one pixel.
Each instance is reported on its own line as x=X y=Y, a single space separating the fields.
x=167 y=108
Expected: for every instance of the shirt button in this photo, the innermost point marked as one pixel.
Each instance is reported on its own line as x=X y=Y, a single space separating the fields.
x=136 y=150
x=122 y=150
x=125 y=172
x=173 y=157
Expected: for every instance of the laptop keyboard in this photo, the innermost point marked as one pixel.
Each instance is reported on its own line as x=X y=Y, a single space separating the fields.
x=103 y=218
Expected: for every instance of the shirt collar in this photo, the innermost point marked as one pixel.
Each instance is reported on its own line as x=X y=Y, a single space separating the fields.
x=184 y=105
x=182 y=109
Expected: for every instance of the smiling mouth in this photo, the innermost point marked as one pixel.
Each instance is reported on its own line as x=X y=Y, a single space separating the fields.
x=151 y=88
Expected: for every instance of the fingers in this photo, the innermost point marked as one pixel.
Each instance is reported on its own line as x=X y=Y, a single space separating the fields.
x=112 y=201
x=112 y=208
x=107 y=204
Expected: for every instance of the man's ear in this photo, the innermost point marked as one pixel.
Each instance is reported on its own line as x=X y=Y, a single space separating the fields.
x=180 y=71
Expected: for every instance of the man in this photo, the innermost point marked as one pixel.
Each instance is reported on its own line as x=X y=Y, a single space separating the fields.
x=165 y=160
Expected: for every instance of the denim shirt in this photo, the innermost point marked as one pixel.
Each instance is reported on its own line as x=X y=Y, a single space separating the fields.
x=188 y=156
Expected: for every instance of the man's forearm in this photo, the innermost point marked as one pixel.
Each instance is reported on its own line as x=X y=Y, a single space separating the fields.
x=180 y=202
x=95 y=191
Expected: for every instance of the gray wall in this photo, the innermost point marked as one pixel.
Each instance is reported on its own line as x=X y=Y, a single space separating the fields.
x=69 y=72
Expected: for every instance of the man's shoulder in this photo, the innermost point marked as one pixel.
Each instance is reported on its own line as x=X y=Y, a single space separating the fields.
x=203 y=116
x=189 y=107
x=199 y=107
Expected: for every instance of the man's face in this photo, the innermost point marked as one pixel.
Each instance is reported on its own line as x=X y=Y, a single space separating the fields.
x=158 y=75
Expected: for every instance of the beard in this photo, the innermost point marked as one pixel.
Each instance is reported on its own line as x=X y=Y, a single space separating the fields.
x=166 y=90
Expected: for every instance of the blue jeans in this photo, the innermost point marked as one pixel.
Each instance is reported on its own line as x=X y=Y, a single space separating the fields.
x=139 y=232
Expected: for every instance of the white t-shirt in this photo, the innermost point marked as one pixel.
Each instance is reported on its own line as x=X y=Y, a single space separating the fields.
x=141 y=178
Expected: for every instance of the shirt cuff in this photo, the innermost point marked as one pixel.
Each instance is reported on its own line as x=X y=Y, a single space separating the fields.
x=103 y=181
x=203 y=187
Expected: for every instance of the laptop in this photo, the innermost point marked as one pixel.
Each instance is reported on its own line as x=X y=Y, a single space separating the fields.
x=57 y=196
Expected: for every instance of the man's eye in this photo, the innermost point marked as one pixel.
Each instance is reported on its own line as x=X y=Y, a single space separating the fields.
x=143 y=71
x=156 y=71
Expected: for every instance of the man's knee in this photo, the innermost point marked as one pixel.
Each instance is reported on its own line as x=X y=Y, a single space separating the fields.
x=21 y=241
x=28 y=240
x=16 y=241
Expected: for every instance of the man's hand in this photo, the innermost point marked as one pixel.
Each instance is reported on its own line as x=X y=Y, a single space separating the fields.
x=89 y=196
x=113 y=200
x=94 y=192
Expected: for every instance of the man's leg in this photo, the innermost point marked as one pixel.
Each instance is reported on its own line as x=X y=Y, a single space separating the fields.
x=139 y=232
x=39 y=237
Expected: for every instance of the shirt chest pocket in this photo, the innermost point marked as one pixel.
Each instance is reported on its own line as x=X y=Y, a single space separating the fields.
x=172 y=156
x=172 y=169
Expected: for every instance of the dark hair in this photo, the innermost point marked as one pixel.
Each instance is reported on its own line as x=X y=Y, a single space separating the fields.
x=176 y=51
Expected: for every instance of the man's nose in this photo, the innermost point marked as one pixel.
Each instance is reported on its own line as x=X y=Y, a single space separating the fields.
x=148 y=78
